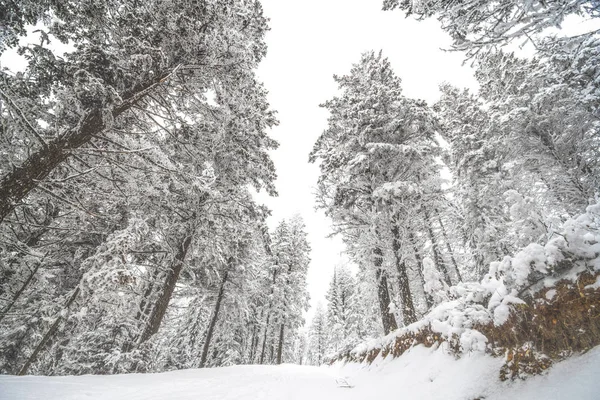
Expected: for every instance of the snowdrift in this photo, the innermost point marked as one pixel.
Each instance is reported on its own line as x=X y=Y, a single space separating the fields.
x=420 y=373
x=534 y=308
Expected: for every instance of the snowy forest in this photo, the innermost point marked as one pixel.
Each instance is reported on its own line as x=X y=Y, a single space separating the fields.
x=135 y=137
x=130 y=238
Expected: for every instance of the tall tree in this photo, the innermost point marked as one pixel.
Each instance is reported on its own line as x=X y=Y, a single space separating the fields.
x=481 y=24
x=117 y=135
x=317 y=337
x=342 y=310
x=379 y=173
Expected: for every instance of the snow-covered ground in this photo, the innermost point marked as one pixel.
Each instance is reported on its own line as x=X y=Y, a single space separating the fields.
x=419 y=374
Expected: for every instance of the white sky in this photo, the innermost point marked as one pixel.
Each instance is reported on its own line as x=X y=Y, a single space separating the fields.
x=310 y=41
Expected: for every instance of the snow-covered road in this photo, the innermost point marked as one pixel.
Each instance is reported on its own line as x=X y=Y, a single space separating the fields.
x=243 y=382
x=419 y=374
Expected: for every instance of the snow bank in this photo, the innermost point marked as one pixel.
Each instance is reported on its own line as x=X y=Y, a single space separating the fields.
x=428 y=373
x=474 y=312
x=421 y=373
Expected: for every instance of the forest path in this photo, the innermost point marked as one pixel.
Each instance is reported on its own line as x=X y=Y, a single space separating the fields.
x=419 y=374
x=241 y=382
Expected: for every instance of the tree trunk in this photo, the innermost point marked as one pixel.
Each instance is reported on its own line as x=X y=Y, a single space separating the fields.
x=275 y=270
x=264 y=342
x=160 y=307
x=428 y=299
x=145 y=304
x=143 y=310
x=215 y=315
x=408 y=309
x=448 y=247
x=282 y=328
x=437 y=258
x=280 y=347
x=17 y=184
x=9 y=306
x=51 y=214
x=33 y=240
x=387 y=318
x=48 y=336
x=253 y=344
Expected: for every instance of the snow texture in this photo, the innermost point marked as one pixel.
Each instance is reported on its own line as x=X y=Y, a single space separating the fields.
x=421 y=373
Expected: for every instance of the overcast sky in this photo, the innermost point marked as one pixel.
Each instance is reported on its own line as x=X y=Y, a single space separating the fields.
x=310 y=41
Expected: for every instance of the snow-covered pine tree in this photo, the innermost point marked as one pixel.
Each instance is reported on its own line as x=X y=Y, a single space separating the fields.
x=519 y=153
x=481 y=24
x=295 y=294
x=479 y=180
x=360 y=116
x=547 y=127
x=380 y=180
x=133 y=137
x=287 y=293
x=341 y=310
x=124 y=55
x=317 y=337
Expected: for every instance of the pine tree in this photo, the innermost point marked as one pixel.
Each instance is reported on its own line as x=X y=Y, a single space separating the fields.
x=317 y=337
x=380 y=178
x=341 y=310
x=476 y=162
x=480 y=24
x=120 y=135
x=287 y=294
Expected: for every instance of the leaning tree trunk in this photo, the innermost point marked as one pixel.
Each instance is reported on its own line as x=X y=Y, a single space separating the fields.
x=437 y=258
x=419 y=260
x=145 y=304
x=144 y=309
x=160 y=307
x=215 y=316
x=387 y=318
x=18 y=183
x=48 y=336
x=16 y=296
x=408 y=308
x=30 y=242
x=448 y=247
